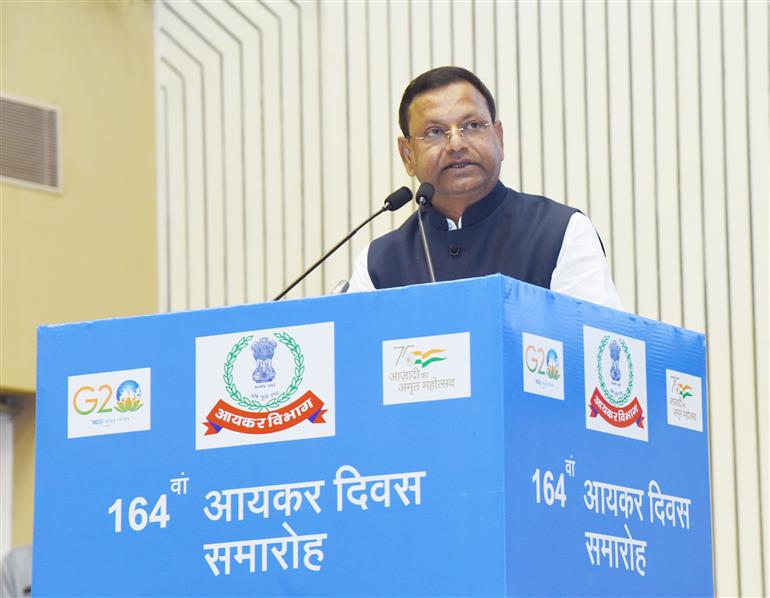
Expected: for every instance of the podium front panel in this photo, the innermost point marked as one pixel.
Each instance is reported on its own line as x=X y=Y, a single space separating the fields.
x=96 y=493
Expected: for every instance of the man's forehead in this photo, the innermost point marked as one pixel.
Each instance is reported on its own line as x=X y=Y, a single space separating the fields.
x=458 y=96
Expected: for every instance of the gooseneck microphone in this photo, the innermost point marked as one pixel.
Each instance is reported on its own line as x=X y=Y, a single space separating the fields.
x=394 y=201
x=423 y=197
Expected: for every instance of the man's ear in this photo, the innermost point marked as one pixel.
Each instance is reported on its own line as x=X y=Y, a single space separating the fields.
x=407 y=157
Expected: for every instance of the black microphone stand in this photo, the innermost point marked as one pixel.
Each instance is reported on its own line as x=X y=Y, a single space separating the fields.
x=424 y=196
x=394 y=201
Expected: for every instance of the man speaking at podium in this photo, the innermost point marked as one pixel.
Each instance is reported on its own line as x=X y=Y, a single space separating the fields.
x=453 y=140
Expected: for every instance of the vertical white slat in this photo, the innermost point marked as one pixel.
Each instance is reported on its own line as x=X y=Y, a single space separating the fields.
x=757 y=41
x=358 y=115
x=742 y=329
x=176 y=190
x=621 y=148
x=441 y=32
x=718 y=306
x=381 y=114
x=507 y=91
x=484 y=43
x=596 y=124
x=529 y=96
x=193 y=138
x=462 y=33
x=576 y=175
x=176 y=19
x=421 y=61
x=690 y=167
x=263 y=135
x=311 y=148
x=336 y=213
x=161 y=154
x=261 y=109
x=285 y=18
x=400 y=76
x=232 y=117
x=667 y=191
x=215 y=172
x=552 y=101
x=421 y=35
x=199 y=18
x=244 y=219
x=646 y=255
x=292 y=111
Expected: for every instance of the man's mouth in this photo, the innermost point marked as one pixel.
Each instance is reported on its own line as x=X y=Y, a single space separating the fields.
x=459 y=165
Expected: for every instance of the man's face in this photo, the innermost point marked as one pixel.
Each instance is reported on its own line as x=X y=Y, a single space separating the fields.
x=462 y=167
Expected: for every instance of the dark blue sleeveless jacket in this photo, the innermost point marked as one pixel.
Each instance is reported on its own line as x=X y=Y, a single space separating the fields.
x=512 y=233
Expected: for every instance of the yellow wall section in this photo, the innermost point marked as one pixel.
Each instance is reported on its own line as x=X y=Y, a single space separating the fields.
x=23 y=471
x=89 y=252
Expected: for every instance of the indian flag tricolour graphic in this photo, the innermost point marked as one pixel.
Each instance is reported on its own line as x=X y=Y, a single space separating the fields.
x=425 y=358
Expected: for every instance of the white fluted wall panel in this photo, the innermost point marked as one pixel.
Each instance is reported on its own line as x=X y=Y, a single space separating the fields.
x=277 y=132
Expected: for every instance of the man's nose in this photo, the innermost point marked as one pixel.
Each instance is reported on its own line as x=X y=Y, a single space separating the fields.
x=456 y=139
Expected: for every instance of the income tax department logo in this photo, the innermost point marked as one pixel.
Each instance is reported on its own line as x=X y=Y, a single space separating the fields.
x=616 y=386
x=108 y=403
x=265 y=386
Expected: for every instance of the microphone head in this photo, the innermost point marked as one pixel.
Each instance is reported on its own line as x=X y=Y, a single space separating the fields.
x=398 y=199
x=341 y=287
x=425 y=194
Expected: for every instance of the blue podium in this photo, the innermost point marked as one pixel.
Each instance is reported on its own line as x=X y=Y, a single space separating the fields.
x=478 y=437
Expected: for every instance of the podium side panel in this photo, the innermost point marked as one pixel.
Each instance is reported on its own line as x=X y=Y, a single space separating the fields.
x=607 y=486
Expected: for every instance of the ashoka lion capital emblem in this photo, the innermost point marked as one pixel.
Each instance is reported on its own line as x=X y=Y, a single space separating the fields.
x=615 y=357
x=264 y=351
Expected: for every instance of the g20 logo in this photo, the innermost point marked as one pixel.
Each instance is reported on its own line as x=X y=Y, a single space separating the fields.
x=543 y=364
x=88 y=399
x=109 y=402
x=538 y=361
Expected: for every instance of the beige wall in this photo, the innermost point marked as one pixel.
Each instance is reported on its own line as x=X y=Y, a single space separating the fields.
x=90 y=251
x=23 y=471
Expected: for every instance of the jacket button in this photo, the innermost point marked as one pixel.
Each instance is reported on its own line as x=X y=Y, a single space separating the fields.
x=454 y=250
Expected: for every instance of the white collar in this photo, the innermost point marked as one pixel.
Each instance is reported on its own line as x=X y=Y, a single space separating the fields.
x=451 y=224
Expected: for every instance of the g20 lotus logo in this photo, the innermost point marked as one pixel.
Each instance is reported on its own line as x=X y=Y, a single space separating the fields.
x=543 y=365
x=540 y=362
x=88 y=399
x=109 y=402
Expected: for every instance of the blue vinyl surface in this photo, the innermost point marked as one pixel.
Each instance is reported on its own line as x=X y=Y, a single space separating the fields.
x=478 y=529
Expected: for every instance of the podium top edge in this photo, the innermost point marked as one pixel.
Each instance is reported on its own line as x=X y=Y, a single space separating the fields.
x=505 y=284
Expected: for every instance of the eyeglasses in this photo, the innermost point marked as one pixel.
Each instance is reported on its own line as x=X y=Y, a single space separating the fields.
x=472 y=129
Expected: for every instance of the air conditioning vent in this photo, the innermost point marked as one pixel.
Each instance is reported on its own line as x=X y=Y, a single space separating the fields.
x=29 y=144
